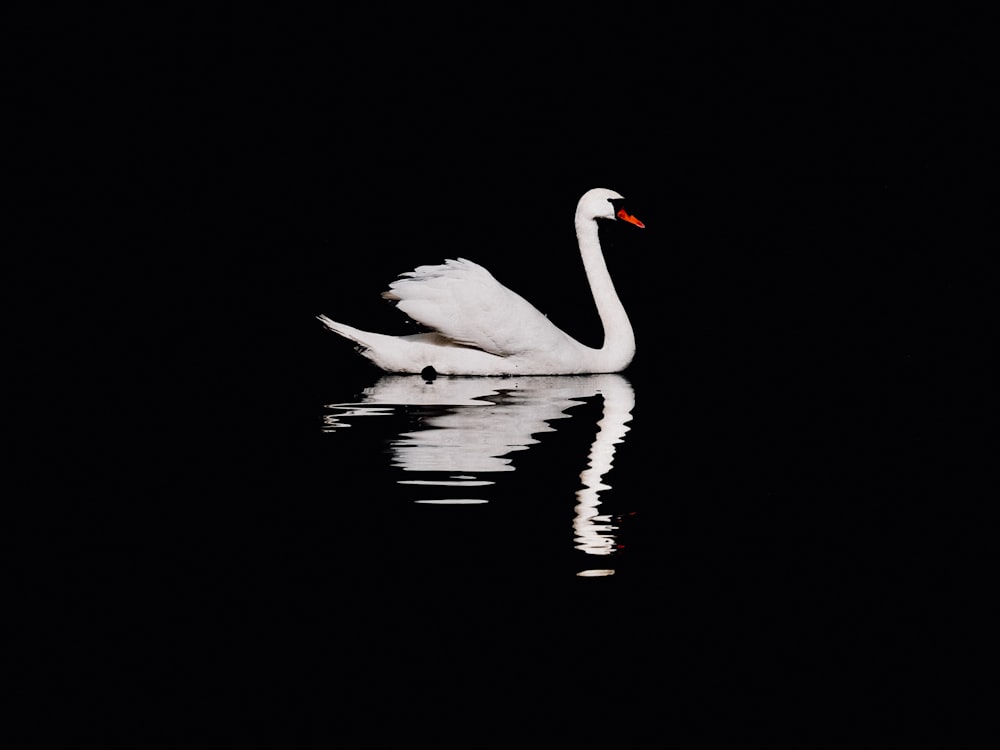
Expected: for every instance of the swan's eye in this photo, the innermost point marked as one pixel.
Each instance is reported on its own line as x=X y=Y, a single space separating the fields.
x=617 y=204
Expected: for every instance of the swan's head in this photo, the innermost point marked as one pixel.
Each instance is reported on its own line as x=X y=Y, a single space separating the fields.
x=601 y=203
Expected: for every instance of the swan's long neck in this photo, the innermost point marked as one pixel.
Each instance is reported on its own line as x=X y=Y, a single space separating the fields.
x=619 y=338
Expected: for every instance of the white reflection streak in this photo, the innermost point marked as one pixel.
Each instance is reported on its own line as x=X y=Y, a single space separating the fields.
x=447 y=482
x=467 y=440
x=594 y=531
x=504 y=416
x=461 y=443
x=452 y=501
x=332 y=422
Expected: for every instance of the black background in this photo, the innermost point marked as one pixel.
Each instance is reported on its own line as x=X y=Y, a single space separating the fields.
x=808 y=266
x=807 y=201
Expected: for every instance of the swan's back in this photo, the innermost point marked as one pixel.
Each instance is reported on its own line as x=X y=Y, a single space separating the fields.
x=465 y=303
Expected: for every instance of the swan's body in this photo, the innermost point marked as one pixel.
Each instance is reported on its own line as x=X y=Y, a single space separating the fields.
x=480 y=327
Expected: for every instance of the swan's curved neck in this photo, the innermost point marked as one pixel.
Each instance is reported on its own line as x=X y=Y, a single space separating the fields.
x=619 y=339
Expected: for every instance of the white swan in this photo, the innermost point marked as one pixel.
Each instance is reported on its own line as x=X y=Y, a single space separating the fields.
x=480 y=327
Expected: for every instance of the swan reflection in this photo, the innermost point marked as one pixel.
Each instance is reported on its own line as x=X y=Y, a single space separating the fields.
x=466 y=429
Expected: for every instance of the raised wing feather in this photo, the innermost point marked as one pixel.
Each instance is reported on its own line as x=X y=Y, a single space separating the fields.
x=464 y=302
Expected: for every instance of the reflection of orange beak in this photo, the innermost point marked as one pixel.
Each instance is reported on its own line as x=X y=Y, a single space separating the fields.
x=629 y=218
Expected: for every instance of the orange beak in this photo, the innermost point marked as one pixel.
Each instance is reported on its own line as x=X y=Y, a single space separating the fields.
x=629 y=218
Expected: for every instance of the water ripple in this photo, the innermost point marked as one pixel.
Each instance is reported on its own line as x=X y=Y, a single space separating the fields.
x=467 y=431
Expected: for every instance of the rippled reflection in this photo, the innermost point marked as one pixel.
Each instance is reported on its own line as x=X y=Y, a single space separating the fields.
x=468 y=429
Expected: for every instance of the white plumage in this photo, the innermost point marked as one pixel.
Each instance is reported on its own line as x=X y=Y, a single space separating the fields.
x=480 y=327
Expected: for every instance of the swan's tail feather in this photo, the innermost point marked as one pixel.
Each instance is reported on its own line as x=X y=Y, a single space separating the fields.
x=342 y=329
x=367 y=343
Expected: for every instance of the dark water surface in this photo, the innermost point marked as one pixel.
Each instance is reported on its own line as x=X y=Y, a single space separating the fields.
x=409 y=543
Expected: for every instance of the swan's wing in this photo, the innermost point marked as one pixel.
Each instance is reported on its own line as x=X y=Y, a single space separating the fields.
x=464 y=302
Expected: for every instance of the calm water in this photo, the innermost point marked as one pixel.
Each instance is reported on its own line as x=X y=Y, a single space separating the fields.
x=550 y=479
x=358 y=546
